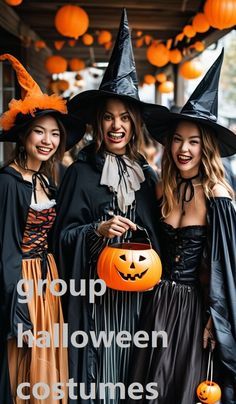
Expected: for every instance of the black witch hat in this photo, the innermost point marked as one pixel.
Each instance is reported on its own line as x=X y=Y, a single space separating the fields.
x=202 y=108
x=120 y=80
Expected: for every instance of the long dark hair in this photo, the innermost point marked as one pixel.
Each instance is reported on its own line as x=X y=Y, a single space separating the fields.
x=47 y=167
x=133 y=147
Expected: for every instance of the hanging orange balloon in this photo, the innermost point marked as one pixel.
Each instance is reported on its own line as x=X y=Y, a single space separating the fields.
x=221 y=14
x=189 y=31
x=161 y=77
x=59 y=45
x=157 y=54
x=192 y=69
x=104 y=37
x=13 y=2
x=149 y=79
x=200 y=23
x=139 y=33
x=166 y=87
x=199 y=46
x=71 y=21
x=76 y=64
x=87 y=39
x=108 y=45
x=175 y=56
x=56 y=64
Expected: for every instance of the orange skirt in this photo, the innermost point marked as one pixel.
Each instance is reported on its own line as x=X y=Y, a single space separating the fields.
x=48 y=365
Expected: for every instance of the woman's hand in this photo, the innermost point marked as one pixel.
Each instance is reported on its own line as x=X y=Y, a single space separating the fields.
x=209 y=335
x=116 y=226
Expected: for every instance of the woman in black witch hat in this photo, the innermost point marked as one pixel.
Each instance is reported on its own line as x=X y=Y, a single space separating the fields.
x=105 y=193
x=195 y=302
x=37 y=124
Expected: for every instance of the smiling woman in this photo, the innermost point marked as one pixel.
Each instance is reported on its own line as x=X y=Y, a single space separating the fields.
x=27 y=213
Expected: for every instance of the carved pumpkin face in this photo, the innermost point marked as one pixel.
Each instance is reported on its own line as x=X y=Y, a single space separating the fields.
x=209 y=392
x=129 y=266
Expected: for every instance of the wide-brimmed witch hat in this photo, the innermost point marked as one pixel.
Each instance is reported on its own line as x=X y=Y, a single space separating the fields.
x=119 y=81
x=202 y=108
x=34 y=103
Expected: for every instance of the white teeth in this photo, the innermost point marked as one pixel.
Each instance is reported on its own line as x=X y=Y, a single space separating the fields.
x=184 y=157
x=115 y=136
x=44 y=149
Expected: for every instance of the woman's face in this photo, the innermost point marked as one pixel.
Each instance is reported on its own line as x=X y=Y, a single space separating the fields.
x=186 y=149
x=43 y=140
x=116 y=126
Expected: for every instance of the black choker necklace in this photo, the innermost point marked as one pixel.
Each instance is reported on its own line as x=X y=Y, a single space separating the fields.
x=188 y=186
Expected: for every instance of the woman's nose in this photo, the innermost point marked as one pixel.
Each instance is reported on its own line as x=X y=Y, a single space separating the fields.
x=116 y=123
x=184 y=146
x=46 y=139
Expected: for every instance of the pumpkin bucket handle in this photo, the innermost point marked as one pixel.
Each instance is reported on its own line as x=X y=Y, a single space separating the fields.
x=146 y=233
x=210 y=365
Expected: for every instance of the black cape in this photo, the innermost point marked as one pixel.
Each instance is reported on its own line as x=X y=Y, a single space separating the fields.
x=222 y=224
x=82 y=202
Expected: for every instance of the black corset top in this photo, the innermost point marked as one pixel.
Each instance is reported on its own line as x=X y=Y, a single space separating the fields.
x=182 y=251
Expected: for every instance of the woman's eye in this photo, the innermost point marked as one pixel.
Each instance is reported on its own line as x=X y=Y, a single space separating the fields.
x=194 y=142
x=56 y=134
x=176 y=139
x=38 y=131
x=107 y=117
x=126 y=118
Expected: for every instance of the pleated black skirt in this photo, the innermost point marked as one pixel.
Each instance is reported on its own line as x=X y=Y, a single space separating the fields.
x=177 y=369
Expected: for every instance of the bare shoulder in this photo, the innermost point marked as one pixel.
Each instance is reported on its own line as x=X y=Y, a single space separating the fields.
x=219 y=190
x=159 y=190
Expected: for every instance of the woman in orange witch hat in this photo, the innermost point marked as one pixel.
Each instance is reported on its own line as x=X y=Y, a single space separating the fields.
x=37 y=123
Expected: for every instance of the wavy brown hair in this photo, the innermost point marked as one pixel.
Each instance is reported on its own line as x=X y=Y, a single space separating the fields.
x=134 y=146
x=47 y=167
x=211 y=169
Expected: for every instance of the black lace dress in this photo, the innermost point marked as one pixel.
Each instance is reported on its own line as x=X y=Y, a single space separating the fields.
x=175 y=306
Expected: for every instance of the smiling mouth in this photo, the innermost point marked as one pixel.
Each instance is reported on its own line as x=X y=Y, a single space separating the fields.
x=182 y=159
x=116 y=135
x=129 y=277
x=44 y=149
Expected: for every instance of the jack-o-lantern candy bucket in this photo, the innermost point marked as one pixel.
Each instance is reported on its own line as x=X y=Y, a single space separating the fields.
x=208 y=391
x=129 y=266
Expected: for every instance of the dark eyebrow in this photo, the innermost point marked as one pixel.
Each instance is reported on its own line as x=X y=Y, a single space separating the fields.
x=42 y=127
x=190 y=137
x=122 y=113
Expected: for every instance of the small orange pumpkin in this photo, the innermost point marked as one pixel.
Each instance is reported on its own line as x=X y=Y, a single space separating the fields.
x=209 y=392
x=129 y=266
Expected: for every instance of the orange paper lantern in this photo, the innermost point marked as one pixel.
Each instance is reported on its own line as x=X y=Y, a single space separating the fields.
x=56 y=64
x=179 y=37
x=192 y=69
x=221 y=14
x=147 y=39
x=189 y=31
x=149 y=79
x=76 y=64
x=71 y=42
x=59 y=44
x=161 y=77
x=199 y=46
x=166 y=87
x=87 y=39
x=13 y=2
x=39 y=45
x=139 y=42
x=158 y=54
x=200 y=23
x=71 y=21
x=104 y=37
x=175 y=56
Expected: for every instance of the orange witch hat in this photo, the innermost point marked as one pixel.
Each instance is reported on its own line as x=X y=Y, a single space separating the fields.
x=32 y=98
